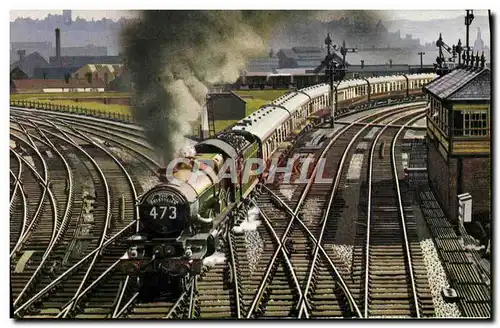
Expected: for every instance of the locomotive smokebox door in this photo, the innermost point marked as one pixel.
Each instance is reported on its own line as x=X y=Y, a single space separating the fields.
x=162 y=212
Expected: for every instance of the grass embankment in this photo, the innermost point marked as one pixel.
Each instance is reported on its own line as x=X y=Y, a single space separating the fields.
x=253 y=98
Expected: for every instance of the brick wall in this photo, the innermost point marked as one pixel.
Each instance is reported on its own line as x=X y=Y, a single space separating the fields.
x=477 y=182
x=443 y=179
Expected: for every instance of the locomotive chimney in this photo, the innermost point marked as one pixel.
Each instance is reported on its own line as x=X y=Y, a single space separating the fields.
x=362 y=64
x=162 y=173
x=58 y=45
x=390 y=62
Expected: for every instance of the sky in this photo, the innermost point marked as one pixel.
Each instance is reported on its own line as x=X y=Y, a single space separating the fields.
x=419 y=15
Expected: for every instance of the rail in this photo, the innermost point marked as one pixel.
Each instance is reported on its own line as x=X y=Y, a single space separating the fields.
x=66 y=273
x=314 y=240
x=69 y=204
x=121 y=144
x=401 y=211
x=269 y=268
x=192 y=298
x=234 y=271
x=134 y=193
x=35 y=216
x=179 y=301
x=263 y=285
x=65 y=219
x=108 y=203
x=17 y=180
x=25 y=213
x=386 y=113
x=52 y=238
x=326 y=213
x=369 y=210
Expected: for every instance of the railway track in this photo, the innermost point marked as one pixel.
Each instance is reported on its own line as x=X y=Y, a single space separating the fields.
x=103 y=223
x=302 y=269
x=387 y=253
x=298 y=272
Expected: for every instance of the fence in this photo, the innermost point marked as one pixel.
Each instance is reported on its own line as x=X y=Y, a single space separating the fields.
x=124 y=118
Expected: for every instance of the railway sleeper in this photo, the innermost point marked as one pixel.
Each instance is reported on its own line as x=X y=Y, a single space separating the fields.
x=389 y=295
x=392 y=306
x=391 y=313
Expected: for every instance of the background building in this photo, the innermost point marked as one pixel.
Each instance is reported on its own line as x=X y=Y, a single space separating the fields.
x=49 y=86
x=226 y=106
x=104 y=72
x=29 y=63
x=44 y=49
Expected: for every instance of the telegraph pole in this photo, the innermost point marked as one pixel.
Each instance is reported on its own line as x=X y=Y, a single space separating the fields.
x=334 y=71
x=329 y=69
x=469 y=17
x=341 y=72
x=421 y=59
x=458 y=50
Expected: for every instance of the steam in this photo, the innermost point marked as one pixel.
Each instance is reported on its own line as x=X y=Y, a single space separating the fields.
x=214 y=259
x=251 y=223
x=174 y=55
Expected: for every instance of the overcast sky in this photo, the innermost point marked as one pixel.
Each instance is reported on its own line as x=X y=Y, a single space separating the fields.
x=420 y=15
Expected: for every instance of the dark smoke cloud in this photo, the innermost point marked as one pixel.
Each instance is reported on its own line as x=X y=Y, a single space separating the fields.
x=173 y=55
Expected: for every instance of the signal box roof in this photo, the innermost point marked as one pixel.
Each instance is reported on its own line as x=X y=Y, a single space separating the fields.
x=469 y=83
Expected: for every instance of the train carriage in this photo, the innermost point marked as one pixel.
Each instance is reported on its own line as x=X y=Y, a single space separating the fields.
x=181 y=224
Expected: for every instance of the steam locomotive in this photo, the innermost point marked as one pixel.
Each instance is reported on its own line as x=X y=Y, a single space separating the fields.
x=181 y=219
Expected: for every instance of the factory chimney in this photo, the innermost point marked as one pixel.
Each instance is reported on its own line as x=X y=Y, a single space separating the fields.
x=390 y=62
x=58 y=45
x=362 y=64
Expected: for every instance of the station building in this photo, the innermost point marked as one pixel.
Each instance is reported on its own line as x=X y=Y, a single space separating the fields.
x=459 y=140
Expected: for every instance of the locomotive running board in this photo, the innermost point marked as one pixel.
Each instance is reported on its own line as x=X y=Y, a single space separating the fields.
x=384 y=125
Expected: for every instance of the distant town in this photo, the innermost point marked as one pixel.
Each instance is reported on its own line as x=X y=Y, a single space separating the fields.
x=61 y=47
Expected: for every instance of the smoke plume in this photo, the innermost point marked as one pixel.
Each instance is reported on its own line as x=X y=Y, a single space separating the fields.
x=174 y=55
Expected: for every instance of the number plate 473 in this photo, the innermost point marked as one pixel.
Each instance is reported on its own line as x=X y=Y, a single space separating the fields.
x=160 y=212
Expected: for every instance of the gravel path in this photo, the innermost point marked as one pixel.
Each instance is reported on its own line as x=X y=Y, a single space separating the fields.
x=437 y=281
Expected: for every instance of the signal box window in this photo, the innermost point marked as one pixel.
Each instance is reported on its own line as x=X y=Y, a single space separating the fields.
x=475 y=123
